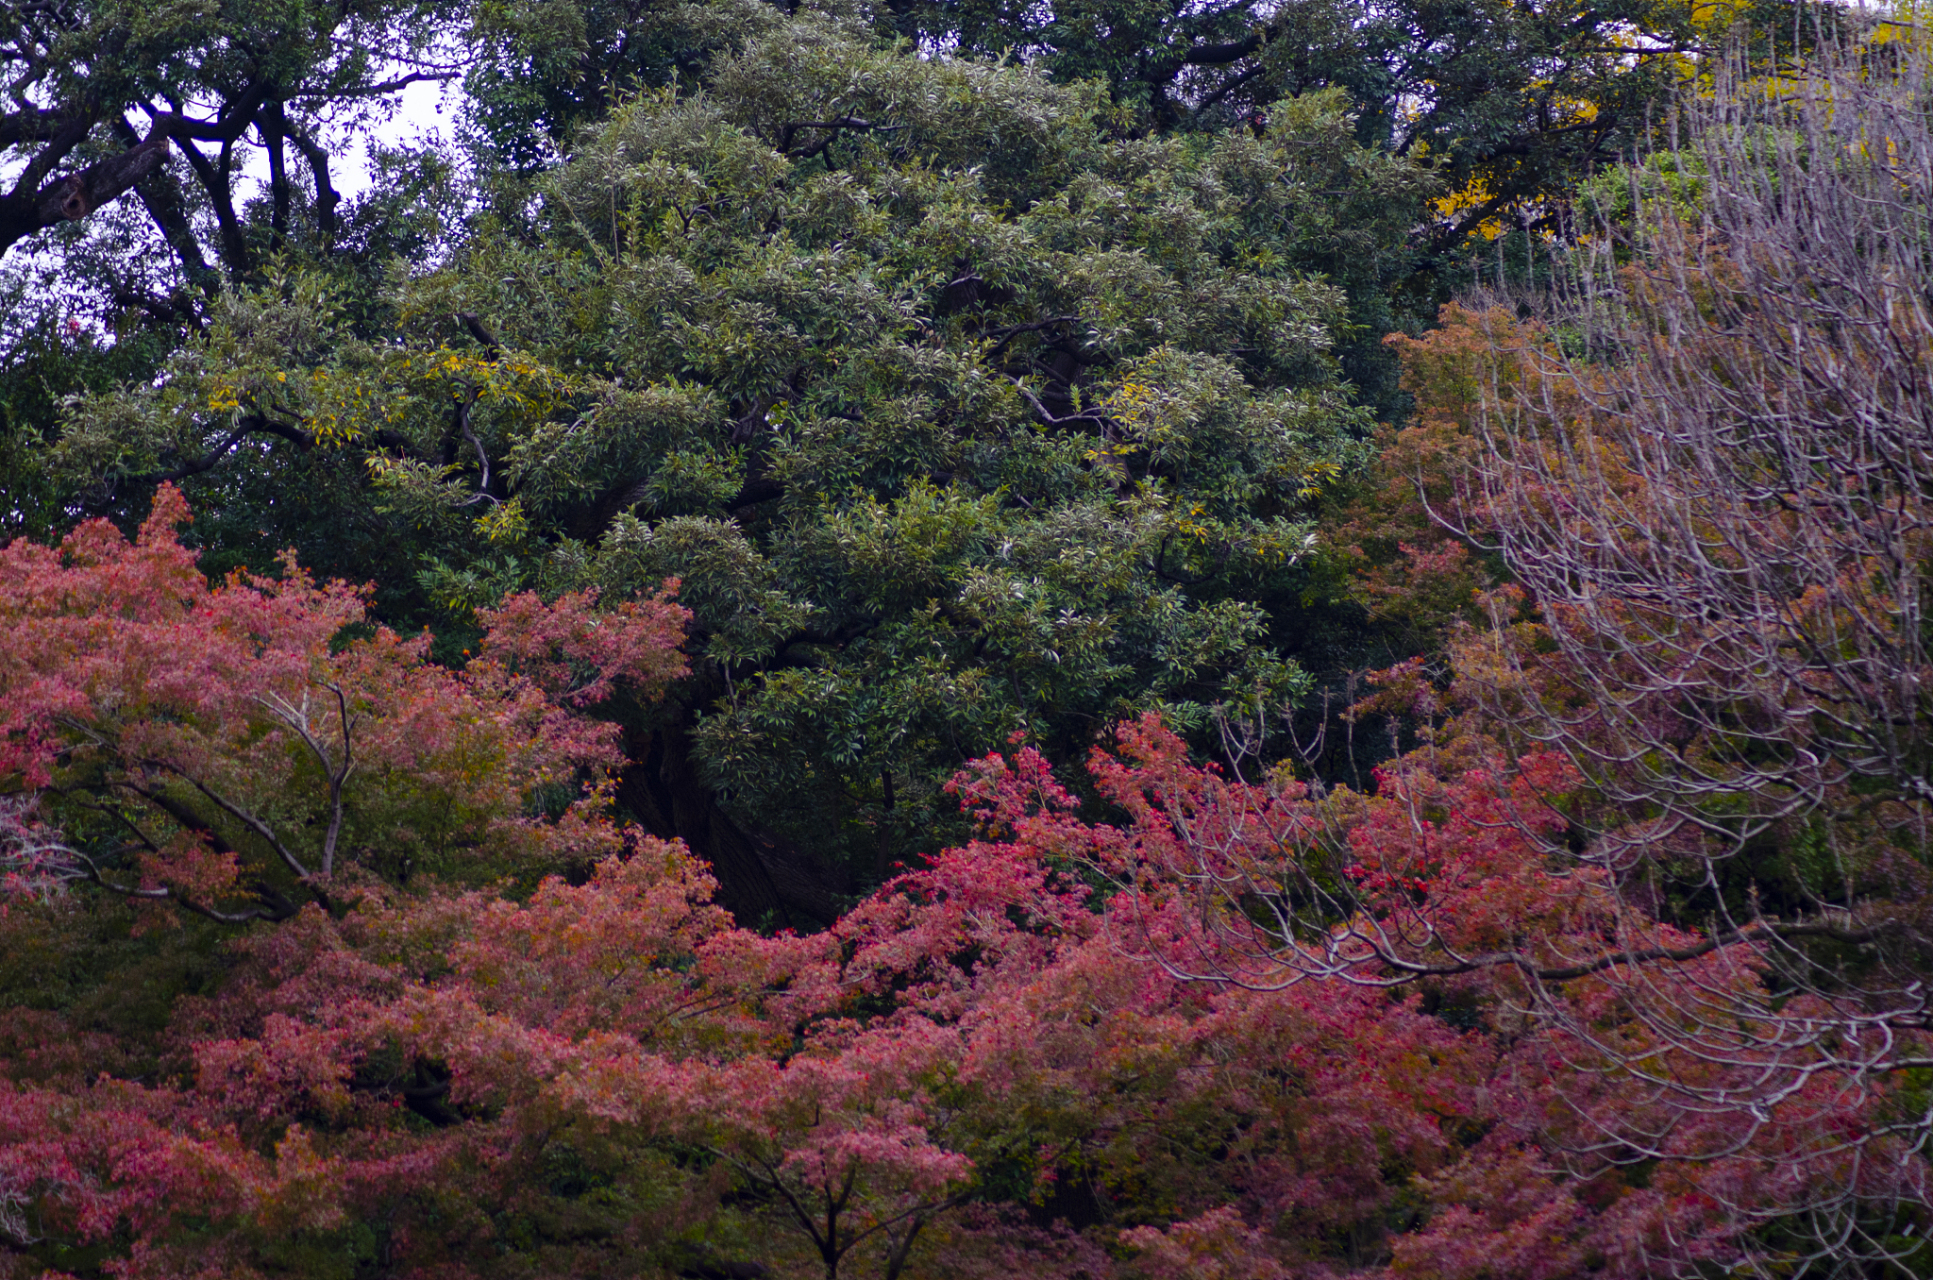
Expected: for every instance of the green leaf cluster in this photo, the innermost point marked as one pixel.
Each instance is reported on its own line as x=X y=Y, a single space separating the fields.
x=956 y=410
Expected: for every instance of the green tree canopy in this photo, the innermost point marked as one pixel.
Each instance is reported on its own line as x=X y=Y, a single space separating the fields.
x=957 y=413
x=1512 y=101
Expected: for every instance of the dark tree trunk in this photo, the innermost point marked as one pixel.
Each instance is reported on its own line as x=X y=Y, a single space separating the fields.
x=761 y=877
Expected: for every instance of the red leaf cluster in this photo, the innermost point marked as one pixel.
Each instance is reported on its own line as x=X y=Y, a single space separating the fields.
x=1242 y=1030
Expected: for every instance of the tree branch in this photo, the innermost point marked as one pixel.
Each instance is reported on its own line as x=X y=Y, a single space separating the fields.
x=1215 y=55
x=78 y=194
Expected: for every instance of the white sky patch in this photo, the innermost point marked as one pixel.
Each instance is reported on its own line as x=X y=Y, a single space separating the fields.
x=421 y=116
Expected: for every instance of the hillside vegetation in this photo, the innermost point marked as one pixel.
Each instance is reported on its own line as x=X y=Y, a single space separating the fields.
x=1117 y=642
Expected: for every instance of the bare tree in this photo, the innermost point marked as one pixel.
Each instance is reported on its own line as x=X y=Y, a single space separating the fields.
x=1709 y=467
x=1714 y=477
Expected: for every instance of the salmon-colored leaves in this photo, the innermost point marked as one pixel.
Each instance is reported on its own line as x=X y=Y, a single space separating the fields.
x=241 y=747
x=1240 y=1028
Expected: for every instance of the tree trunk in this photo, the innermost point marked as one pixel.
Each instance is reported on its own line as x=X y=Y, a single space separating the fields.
x=762 y=879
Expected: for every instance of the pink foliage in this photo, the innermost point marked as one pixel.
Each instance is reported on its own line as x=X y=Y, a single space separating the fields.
x=1061 y=1049
x=1218 y=1245
x=578 y=654
x=257 y=735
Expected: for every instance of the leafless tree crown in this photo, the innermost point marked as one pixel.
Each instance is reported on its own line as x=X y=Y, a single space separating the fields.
x=1708 y=466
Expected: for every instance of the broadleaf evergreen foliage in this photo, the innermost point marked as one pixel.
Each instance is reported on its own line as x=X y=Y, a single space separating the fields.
x=827 y=647
x=955 y=414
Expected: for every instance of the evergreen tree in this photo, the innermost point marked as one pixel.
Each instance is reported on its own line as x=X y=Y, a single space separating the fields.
x=956 y=411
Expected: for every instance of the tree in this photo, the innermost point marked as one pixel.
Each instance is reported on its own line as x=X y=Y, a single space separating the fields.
x=1698 y=700
x=1510 y=106
x=1718 y=511
x=1514 y=103
x=158 y=103
x=608 y=1077
x=224 y=749
x=397 y=1064
x=950 y=414
x=428 y=1065
x=1520 y=102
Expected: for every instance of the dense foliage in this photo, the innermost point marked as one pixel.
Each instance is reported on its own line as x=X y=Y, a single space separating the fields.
x=953 y=414
x=828 y=647
x=987 y=1067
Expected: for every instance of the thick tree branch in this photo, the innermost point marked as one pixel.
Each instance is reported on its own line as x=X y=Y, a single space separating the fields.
x=176 y=810
x=1216 y=55
x=214 y=185
x=378 y=90
x=326 y=197
x=78 y=194
x=270 y=124
x=160 y=194
x=252 y=424
x=476 y=329
x=42 y=163
x=32 y=124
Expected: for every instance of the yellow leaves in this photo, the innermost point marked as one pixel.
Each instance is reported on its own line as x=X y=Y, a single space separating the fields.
x=1906 y=24
x=505 y=522
x=1716 y=15
x=1117 y=450
x=1567 y=111
x=1315 y=476
x=1193 y=528
x=1472 y=195
x=1131 y=400
x=1149 y=411
x=399 y=387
